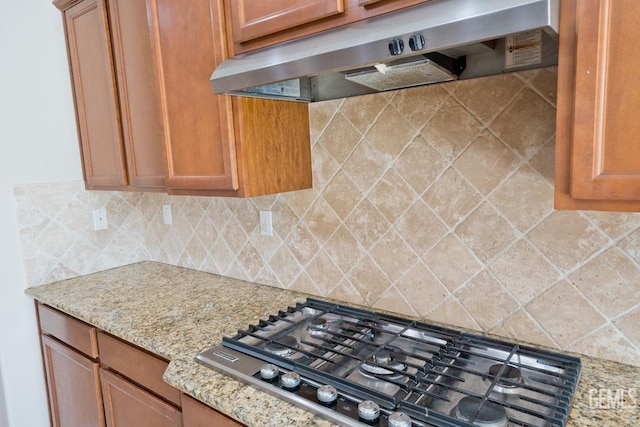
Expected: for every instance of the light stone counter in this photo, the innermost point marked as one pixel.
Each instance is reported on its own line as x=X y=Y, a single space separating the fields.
x=176 y=312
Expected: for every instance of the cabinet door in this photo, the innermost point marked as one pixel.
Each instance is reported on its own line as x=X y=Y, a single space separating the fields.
x=139 y=91
x=127 y=405
x=597 y=154
x=73 y=384
x=251 y=19
x=196 y=414
x=95 y=95
x=200 y=137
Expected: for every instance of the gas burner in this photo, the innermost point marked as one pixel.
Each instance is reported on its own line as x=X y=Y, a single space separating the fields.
x=318 y=327
x=384 y=363
x=508 y=382
x=369 y=329
x=489 y=415
x=285 y=347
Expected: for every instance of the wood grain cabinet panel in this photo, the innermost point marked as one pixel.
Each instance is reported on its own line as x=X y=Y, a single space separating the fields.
x=69 y=330
x=196 y=414
x=255 y=24
x=218 y=145
x=73 y=386
x=116 y=94
x=127 y=405
x=597 y=154
x=252 y=19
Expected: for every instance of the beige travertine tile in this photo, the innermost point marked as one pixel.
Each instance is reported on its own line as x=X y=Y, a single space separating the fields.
x=526 y=124
x=366 y=223
x=419 y=164
x=608 y=343
x=339 y=138
x=234 y=235
x=451 y=129
x=486 y=300
x=565 y=314
x=304 y=284
x=206 y=230
x=192 y=210
x=299 y=201
x=524 y=272
x=342 y=194
x=522 y=325
x=196 y=250
x=629 y=325
x=544 y=161
x=452 y=198
x=284 y=219
x=73 y=217
x=284 y=266
x=419 y=104
x=320 y=113
x=486 y=162
x=264 y=203
x=393 y=255
x=392 y=196
x=363 y=110
x=266 y=245
x=420 y=227
x=610 y=281
x=368 y=280
x=615 y=224
x=250 y=260
x=452 y=262
x=54 y=240
x=81 y=256
x=344 y=249
x=221 y=254
x=236 y=271
x=321 y=220
x=302 y=244
x=248 y=217
x=567 y=239
x=390 y=133
x=345 y=292
x=324 y=272
x=485 y=232
x=268 y=277
x=324 y=167
x=544 y=80
x=452 y=313
x=524 y=198
x=631 y=245
x=365 y=166
x=392 y=300
x=422 y=289
x=218 y=212
x=487 y=97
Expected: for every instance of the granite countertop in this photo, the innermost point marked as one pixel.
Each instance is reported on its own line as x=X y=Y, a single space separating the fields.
x=176 y=312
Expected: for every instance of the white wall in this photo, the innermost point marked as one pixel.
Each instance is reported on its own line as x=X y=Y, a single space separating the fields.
x=39 y=144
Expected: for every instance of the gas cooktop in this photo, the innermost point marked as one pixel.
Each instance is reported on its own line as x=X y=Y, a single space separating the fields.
x=359 y=368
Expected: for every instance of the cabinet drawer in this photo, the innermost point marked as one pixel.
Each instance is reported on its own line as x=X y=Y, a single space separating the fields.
x=136 y=364
x=77 y=334
x=196 y=414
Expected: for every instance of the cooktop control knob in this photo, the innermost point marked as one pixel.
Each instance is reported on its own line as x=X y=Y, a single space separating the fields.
x=269 y=371
x=368 y=410
x=327 y=394
x=399 y=419
x=396 y=46
x=416 y=42
x=290 y=380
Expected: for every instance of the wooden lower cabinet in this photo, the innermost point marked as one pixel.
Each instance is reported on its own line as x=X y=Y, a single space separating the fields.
x=95 y=380
x=128 y=405
x=73 y=386
x=196 y=414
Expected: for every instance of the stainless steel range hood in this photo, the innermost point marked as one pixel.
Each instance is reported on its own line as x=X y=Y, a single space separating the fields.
x=437 y=41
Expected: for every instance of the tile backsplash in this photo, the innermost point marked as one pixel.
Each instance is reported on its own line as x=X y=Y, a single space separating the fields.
x=434 y=202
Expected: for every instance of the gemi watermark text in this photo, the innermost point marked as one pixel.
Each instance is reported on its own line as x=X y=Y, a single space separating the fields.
x=613 y=399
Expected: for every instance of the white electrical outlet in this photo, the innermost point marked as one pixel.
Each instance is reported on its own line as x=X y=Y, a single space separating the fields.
x=166 y=214
x=100 y=219
x=266 y=225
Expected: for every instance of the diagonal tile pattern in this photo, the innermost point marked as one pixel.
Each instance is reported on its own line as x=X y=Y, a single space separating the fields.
x=434 y=201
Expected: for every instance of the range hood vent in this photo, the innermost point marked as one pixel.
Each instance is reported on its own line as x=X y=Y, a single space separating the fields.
x=440 y=40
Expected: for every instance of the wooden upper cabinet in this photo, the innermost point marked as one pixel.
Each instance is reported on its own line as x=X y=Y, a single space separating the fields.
x=96 y=98
x=116 y=94
x=597 y=154
x=216 y=144
x=255 y=24
x=252 y=19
